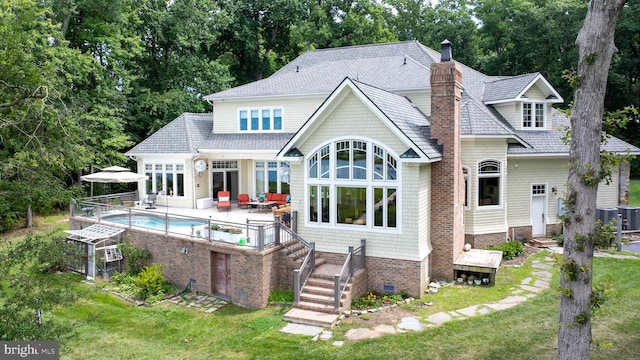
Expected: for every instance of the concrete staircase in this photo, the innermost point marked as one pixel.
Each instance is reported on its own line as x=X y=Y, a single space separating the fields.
x=543 y=242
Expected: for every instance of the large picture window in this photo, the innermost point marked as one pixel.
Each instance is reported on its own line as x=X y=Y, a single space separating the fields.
x=260 y=120
x=489 y=183
x=362 y=178
x=165 y=177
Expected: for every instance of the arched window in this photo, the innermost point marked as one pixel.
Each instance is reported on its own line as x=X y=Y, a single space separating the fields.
x=489 y=181
x=353 y=182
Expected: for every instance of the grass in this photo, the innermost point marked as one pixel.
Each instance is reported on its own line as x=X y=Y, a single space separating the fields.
x=634 y=192
x=110 y=328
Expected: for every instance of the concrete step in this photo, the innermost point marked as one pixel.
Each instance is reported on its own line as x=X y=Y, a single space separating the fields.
x=318 y=290
x=320 y=299
x=310 y=317
x=322 y=308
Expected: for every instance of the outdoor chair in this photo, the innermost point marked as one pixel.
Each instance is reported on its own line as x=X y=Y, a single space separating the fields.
x=224 y=200
x=151 y=200
x=243 y=200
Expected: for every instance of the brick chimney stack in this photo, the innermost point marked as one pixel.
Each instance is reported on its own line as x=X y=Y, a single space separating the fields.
x=447 y=181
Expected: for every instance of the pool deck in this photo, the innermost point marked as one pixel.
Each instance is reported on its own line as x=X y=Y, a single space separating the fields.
x=235 y=215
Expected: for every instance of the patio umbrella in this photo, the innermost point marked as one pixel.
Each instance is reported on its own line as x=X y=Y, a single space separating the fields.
x=114 y=174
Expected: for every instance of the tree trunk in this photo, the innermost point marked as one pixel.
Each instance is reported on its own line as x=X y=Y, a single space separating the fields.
x=29 y=223
x=596 y=47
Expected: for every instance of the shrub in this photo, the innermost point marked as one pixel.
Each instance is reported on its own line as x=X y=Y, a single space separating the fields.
x=510 y=249
x=373 y=299
x=151 y=283
x=134 y=256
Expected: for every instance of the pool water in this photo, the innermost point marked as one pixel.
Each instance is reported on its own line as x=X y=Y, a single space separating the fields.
x=182 y=226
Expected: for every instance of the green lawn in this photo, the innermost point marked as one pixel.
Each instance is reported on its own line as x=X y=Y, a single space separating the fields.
x=110 y=328
x=634 y=192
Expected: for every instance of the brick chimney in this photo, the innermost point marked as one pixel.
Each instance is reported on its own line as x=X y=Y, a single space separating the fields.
x=447 y=181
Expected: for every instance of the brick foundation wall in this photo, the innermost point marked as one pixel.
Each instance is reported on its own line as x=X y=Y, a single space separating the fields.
x=253 y=274
x=404 y=275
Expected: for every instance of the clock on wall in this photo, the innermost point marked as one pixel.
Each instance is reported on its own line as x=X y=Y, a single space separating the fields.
x=200 y=166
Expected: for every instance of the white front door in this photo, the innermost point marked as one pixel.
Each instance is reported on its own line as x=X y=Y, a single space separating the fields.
x=538 y=209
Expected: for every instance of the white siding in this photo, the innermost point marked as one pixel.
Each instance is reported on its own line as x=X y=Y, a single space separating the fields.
x=478 y=220
x=410 y=240
x=553 y=173
x=294 y=112
x=511 y=112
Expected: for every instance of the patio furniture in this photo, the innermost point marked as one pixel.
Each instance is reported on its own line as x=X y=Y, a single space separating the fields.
x=151 y=200
x=243 y=200
x=224 y=200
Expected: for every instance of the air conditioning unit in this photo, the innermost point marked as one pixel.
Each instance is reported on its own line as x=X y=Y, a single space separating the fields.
x=630 y=217
x=606 y=215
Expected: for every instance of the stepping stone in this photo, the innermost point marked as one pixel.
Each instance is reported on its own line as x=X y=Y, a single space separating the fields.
x=543 y=266
x=361 y=333
x=469 y=311
x=439 y=318
x=411 y=323
x=525 y=281
x=300 y=329
x=385 y=329
x=531 y=288
x=499 y=306
x=513 y=300
x=544 y=284
x=519 y=291
x=454 y=314
x=483 y=311
x=326 y=335
x=210 y=310
x=544 y=274
x=338 y=343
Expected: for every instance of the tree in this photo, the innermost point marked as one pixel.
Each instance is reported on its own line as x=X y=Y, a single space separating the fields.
x=595 y=48
x=29 y=291
x=52 y=106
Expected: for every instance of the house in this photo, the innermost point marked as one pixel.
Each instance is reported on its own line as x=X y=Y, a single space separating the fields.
x=393 y=143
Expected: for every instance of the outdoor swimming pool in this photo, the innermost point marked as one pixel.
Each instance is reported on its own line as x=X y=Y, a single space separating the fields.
x=158 y=222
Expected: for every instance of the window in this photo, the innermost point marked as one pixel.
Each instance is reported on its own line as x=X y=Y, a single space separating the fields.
x=272 y=176
x=533 y=115
x=465 y=175
x=260 y=120
x=363 y=180
x=489 y=180
x=165 y=177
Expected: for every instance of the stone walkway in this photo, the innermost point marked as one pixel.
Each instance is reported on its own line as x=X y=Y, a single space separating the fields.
x=528 y=288
x=205 y=303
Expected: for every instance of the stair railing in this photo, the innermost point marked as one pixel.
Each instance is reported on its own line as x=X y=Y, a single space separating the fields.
x=356 y=260
x=301 y=275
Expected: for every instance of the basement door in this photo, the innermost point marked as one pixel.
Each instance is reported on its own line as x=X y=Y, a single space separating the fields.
x=220 y=274
x=538 y=209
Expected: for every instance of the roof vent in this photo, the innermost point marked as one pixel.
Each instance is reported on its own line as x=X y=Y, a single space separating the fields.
x=405 y=61
x=445 y=54
x=297 y=68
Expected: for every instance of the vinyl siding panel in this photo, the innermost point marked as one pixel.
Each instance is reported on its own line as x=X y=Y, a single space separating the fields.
x=294 y=112
x=511 y=112
x=409 y=241
x=479 y=220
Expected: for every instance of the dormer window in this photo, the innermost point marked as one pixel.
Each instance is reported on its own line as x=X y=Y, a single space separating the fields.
x=260 y=120
x=533 y=115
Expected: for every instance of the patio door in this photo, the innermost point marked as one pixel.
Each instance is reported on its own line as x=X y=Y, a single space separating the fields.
x=538 y=209
x=220 y=274
x=225 y=180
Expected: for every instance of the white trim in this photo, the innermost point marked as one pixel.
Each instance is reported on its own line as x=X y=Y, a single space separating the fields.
x=545 y=206
x=347 y=86
x=501 y=181
x=533 y=104
x=368 y=184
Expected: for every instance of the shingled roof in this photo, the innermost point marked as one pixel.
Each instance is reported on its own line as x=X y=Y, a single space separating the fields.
x=183 y=135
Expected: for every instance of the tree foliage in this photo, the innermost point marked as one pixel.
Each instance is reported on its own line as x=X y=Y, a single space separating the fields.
x=27 y=290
